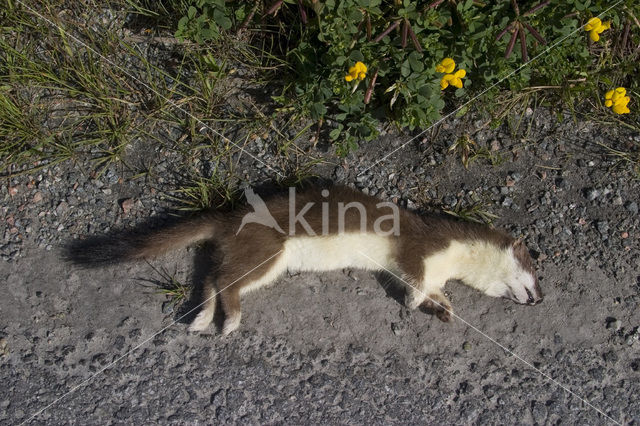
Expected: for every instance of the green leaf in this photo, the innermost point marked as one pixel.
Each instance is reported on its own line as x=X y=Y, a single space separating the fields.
x=415 y=60
x=355 y=15
x=356 y=56
x=405 y=69
x=208 y=33
x=182 y=23
x=318 y=110
x=221 y=19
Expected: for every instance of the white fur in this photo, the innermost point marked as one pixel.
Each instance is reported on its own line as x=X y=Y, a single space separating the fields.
x=481 y=265
x=277 y=269
x=327 y=253
x=231 y=324
x=202 y=321
x=313 y=254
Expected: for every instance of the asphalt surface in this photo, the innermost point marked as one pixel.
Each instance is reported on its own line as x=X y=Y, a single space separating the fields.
x=89 y=346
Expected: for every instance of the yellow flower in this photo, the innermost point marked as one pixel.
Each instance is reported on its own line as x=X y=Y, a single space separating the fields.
x=358 y=71
x=595 y=26
x=618 y=100
x=613 y=96
x=621 y=108
x=453 y=79
x=607 y=99
x=447 y=65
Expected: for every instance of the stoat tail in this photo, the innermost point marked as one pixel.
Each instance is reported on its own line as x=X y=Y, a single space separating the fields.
x=122 y=247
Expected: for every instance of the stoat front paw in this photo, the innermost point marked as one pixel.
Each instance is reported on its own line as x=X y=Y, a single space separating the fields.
x=438 y=305
x=202 y=321
x=412 y=302
x=231 y=324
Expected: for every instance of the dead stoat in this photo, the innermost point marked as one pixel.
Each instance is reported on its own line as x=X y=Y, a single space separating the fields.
x=322 y=229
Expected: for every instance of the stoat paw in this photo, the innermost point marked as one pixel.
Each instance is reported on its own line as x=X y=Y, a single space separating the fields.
x=230 y=324
x=202 y=321
x=412 y=302
x=438 y=305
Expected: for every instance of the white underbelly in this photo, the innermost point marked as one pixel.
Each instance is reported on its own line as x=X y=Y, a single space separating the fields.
x=326 y=253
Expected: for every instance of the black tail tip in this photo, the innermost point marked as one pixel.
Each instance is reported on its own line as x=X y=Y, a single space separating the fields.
x=95 y=251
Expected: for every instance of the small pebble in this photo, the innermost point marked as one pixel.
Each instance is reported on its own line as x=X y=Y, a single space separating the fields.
x=37 y=197
x=614 y=324
x=592 y=194
x=126 y=205
x=397 y=328
x=167 y=307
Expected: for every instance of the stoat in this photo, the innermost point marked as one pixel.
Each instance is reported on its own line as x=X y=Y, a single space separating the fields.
x=323 y=229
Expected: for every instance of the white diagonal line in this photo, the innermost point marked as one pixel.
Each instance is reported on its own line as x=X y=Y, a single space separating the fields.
x=133 y=77
x=517 y=70
x=87 y=380
x=494 y=341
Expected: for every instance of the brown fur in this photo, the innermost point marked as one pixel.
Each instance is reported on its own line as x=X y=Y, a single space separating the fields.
x=256 y=244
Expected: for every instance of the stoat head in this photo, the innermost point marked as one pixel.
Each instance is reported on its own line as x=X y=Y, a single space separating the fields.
x=517 y=281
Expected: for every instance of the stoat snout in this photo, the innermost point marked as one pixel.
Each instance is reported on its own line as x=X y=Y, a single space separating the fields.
x=536 y=298
x=533 y=297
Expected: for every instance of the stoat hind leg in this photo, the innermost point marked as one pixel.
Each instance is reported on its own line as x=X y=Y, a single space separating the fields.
x=237 y=279
x=226 y=286
x=205 y=316
x=209 y=301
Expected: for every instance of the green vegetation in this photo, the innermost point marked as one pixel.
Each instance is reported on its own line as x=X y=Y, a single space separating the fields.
x=474 y=210
x=168 y=285
x=401 y=44
x=92 y=80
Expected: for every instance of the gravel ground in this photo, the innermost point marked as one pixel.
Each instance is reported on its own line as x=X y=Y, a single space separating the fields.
x=336 y=348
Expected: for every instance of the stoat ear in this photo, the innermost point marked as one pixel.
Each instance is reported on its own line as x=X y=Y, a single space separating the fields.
x=520 y=248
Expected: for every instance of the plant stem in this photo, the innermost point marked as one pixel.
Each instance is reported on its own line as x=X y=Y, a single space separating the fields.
x=369 y=92
x=536 y=34
x=405 y=28
x=512 y=43
x=274 y=7
x=414 y=39
x=514 y=4
x=503 y=32
x=303 y=12
x=387 y=31
x=534 y=9
x=249 y=17
x=523 y=45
